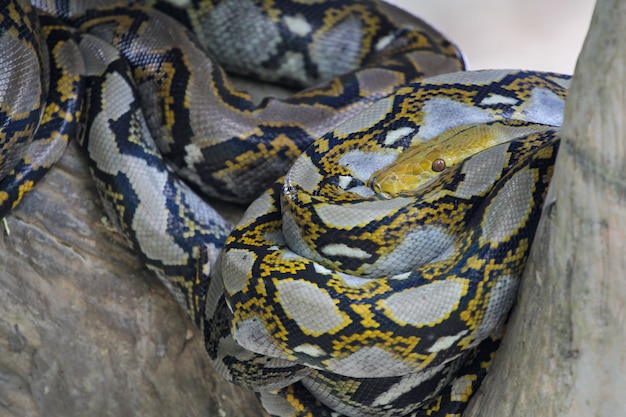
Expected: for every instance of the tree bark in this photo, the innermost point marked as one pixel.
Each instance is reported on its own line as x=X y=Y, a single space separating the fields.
x=564 y=351
x=85 y=330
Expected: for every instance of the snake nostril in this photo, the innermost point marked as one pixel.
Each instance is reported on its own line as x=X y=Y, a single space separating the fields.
x=438 y=165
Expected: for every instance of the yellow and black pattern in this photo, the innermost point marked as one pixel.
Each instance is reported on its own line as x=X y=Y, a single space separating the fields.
x=236 y=151
x=60 y=119
x=23 y=83
x=386 y=297
x=373 y=278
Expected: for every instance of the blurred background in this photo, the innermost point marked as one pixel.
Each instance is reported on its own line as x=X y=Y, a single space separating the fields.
x=531 y=34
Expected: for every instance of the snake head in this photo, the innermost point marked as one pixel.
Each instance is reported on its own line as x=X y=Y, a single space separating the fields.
x=422 y=163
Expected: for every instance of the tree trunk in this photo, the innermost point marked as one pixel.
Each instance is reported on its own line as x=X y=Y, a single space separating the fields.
x=85 y=330
x=564 y=353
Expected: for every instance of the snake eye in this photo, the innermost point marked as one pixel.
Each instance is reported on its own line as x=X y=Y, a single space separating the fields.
x=438 y=165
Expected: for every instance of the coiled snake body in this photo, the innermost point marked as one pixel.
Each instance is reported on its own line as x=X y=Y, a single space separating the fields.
x=373 y=276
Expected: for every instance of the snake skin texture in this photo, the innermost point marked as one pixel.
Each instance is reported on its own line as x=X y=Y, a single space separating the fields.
x=393 y=198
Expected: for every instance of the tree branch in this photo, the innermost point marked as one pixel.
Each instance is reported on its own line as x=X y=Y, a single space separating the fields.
x=563 y=354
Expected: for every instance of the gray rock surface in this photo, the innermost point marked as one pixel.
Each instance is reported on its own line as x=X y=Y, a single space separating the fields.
x=85 y=330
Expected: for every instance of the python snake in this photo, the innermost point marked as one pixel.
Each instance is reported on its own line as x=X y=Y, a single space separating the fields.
x=394 y=199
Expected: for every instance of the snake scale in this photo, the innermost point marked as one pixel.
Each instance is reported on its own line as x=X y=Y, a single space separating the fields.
x=393 y=198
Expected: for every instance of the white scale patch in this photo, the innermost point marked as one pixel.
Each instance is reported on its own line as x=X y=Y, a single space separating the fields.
x=263 y=36
x=304 y=174
x=427 y=304
x=294 y=239
x=501 y=300
x=508 y=210
x=273 y=404
x=344 y=181
x=362 y=190
x=401 y=277
x=69 y=57
x=206 y=267
x=352 y=280
x=251 y=334
x=114 y=88
x=394 y=135
x=308 y=349
x=364 y=164
x=492 y=99
x=445 y=342
x=321 y=269
x=406 y=384
x=312 y=308
x=276 y=239
x=236 y=267
x=260 y=206
x=461 y=389
x=369 y=361
x=341 y=249
x=288 y=255
x=42 y=152
x=545 y=107
x=193 y=154
x=377 y=82
x=96 y=53
x=367 y=118
x=482 y=170
x=470 y=77
x=214 y=295
x=417 y=248
x=228 y=346
x=298 y=25
x=358 y=213
x=337 y=52
x=292 y=66
x=384 y=42
x=442 y=114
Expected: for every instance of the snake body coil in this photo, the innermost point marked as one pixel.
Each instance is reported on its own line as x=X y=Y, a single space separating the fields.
x=374 y=275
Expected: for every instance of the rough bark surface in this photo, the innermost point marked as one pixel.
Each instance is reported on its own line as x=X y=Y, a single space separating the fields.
x=564 y=352
x=85 y=330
